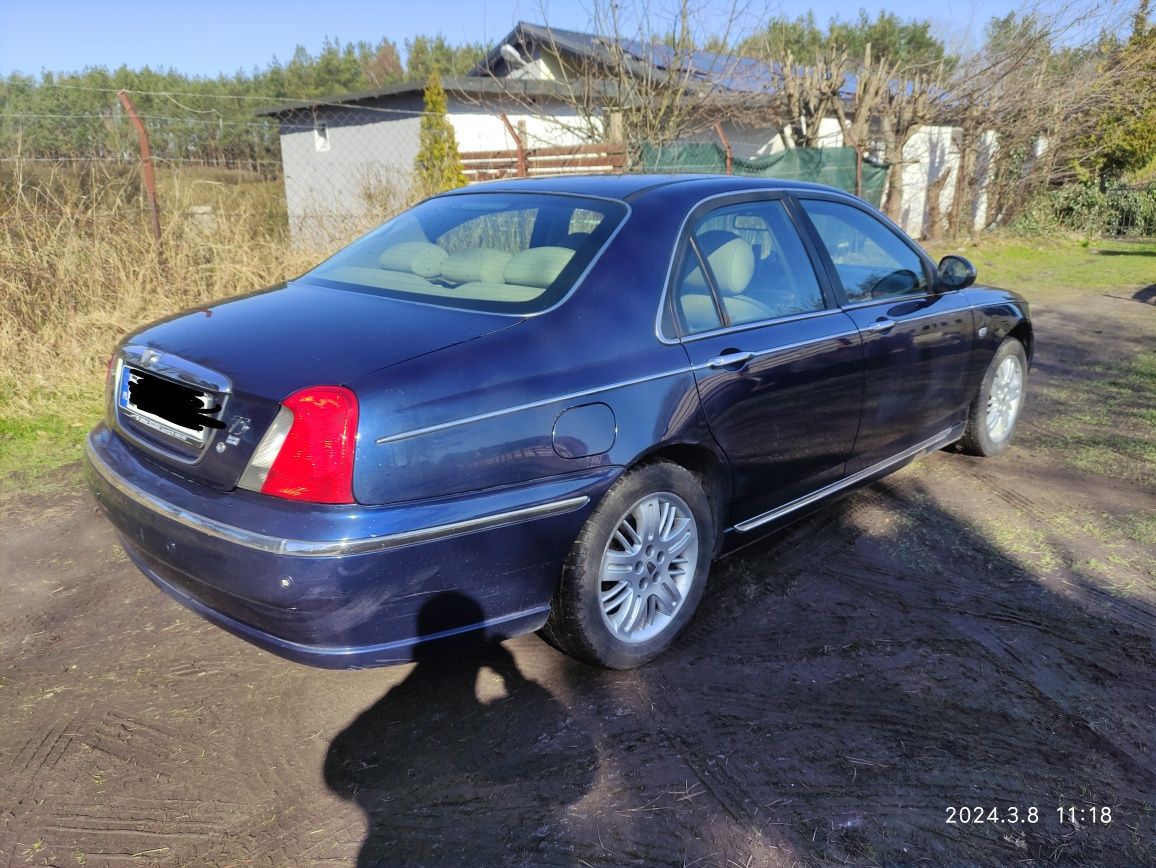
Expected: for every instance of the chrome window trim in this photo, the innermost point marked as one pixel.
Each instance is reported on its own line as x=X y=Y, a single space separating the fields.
x=319 y=548
x=795 y=317
x=578 y=281
x=943 y=438
x=753 y=195
x=898 y=299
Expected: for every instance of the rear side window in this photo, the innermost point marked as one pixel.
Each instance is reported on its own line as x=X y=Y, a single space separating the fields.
x=503 y=252
x=871 y=260
x=745 y=264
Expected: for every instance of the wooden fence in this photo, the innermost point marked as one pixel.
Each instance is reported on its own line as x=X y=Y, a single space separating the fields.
x=532 y=162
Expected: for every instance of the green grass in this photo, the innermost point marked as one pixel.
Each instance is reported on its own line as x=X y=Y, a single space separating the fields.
x=31 y=448
x=1104 y=423
x=1061 y=269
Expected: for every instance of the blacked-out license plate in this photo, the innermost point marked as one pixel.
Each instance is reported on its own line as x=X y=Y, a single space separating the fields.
x=180 y=412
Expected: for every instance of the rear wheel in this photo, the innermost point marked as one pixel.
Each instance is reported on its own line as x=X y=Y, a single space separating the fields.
x=637 y=570
x=992 y=417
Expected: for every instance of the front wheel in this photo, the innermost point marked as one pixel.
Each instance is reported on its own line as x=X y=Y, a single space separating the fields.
x=637 y=570
x=992 y=417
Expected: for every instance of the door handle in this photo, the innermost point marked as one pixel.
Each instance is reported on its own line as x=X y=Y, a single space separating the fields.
x=730 y=360
x=881 y=325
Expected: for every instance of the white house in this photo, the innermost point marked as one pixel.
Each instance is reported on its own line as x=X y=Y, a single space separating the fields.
x=348 y=159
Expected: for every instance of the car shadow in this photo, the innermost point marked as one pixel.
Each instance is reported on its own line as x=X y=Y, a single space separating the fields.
x=447 y=778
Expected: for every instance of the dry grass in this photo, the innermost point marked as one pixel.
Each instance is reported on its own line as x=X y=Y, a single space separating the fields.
x=78 y=271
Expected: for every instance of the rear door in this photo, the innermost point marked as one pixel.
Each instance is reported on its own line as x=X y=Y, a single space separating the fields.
x=778 y=364
x=916 y=342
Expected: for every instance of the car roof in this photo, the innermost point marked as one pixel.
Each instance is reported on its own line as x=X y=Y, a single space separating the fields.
x=630 y=187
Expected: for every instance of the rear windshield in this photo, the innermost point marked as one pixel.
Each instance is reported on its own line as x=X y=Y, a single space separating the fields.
x=504 y=252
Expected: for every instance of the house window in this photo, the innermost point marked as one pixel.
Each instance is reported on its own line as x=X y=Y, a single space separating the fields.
x=321 y=135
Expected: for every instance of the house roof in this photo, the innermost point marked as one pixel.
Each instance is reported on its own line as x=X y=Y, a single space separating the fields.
x=469 y=87
x=728 y=75
x=728 y=71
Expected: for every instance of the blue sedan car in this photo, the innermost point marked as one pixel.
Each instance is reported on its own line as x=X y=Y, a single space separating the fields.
x=558 y=399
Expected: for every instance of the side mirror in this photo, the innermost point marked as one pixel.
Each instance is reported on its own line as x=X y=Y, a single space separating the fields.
x=955 y=272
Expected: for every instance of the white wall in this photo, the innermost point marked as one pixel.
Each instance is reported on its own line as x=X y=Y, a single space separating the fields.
x=478 y=127
x=332 y=192
x=932 y=151
x=748 y=142
x=339 y=185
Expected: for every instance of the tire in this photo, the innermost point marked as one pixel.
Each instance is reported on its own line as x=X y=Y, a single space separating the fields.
x=650 y=564
x=992 y=416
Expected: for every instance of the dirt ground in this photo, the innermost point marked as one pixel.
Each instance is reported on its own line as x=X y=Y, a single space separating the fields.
x=964 y=634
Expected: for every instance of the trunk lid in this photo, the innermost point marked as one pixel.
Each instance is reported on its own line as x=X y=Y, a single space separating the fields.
x=224 y=369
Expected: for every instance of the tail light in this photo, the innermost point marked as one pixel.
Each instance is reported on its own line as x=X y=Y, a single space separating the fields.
x=307 y=452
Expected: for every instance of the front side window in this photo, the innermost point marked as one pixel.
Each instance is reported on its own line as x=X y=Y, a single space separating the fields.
x=871 y=260
x=502 y=252
x=745 y=263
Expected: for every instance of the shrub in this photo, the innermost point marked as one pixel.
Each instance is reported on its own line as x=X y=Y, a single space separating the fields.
x=437 y=167
x=1114 y=210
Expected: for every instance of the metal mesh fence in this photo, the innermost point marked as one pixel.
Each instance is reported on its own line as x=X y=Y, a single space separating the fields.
x=836 y=167
x=321 y=174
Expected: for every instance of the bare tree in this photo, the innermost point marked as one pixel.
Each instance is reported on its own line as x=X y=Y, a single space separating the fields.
x=806 y=95
x=906 y=105
x=642 y=78
x=873 y=79
x=888 y=105
x=1033 y=91
x=1022 y=110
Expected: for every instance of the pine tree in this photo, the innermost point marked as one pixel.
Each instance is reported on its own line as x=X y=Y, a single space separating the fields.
x=437 y=166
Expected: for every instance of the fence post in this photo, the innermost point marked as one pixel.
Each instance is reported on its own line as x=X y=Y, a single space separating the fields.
x=146 y=161
x=521 y=149
x=858 y=173
x=726 y=146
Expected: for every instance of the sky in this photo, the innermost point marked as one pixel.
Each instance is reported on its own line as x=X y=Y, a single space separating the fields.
x=208 y=37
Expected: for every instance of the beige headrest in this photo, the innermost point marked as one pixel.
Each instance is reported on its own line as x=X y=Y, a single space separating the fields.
x=731 y=259
x=538 y=266
x=416 y=257
x=476 y=264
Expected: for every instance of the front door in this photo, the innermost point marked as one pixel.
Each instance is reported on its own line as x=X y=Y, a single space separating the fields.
x=916 y=342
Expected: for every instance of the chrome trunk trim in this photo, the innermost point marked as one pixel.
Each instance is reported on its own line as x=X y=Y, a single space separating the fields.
x=175 y=368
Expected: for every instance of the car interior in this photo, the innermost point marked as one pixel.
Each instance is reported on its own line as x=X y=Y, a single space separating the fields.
x=512 y=255
x=760 y=273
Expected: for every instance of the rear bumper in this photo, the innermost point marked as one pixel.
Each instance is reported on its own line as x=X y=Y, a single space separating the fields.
x=344 y=586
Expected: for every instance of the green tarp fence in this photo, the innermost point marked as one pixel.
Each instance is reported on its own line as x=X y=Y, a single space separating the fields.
x=832 y=166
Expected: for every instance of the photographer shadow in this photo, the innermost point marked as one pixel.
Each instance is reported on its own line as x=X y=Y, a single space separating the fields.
x=446 y=778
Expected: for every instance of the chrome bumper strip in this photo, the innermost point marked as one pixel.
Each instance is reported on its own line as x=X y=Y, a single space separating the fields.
x=320 y=548
x=943 y=438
